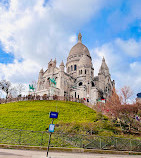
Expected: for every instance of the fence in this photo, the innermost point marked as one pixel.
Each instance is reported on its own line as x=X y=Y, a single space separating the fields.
x=30 y=97
x=40 y=138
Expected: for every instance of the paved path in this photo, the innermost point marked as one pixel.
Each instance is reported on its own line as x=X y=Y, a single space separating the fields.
x=9 y=153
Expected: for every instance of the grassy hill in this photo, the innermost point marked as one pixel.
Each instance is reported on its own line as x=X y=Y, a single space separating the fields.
x=34 y=115
x=77 y=125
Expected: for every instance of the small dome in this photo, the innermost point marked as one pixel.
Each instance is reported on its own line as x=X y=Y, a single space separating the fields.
x=85 y=61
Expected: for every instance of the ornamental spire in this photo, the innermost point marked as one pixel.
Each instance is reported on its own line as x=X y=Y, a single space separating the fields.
x=104 y=66
x=41 y=71
x=79 y=37
x=62 y=63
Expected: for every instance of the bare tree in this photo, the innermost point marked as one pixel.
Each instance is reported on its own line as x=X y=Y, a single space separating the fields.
x=12 y=92
x=5 y=87
x=125 y=94
x=20 y=88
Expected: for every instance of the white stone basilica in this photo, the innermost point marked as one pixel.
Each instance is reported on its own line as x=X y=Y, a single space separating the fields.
x=78 y=81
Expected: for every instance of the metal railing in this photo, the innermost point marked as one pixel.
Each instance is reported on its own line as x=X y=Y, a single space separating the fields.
x=31 y=98
x=40 y=138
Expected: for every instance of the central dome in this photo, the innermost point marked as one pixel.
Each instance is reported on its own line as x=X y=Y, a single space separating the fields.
x=79 y=48
x=85 y=61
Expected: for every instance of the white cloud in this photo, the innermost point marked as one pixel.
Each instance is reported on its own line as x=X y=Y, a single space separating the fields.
x=117 y=54
x=131 y=47
x=78 y=11
x=36 y=34
x=20 y=72
x=30 y=30
x=109 y=52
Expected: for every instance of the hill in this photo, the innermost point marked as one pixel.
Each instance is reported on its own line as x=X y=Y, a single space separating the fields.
x=34 y=115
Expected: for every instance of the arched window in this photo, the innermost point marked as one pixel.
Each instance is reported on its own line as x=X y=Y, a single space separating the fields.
x=81 y=71
x=92 y=84
x=75 y=94
x=75 y=67
x=71 y=68
x=48 y=82
x=85 y=71
x=80 y=83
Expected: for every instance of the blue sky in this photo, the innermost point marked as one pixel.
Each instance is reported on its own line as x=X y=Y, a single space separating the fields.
x=6 y=58
x=32 y=32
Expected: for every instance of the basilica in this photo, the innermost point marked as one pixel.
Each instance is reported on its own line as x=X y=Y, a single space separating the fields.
x=76 y=79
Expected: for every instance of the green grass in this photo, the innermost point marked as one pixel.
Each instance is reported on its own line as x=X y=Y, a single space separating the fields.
x=34 y=115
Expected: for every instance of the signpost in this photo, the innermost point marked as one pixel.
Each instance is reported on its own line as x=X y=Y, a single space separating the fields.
x=51 y=128
x=53 y=115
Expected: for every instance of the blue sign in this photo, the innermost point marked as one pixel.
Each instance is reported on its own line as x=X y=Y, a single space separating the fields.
x=53 y=115
x=51 y=128
x=139 y=95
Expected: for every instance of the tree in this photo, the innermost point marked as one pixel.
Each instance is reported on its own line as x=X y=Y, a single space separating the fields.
x=45 y=97
x=5 y=87
x=111 y=107
x=125 y=94
x=12 y=92
x=118 y=108
x=127 y=116
x=20 y=88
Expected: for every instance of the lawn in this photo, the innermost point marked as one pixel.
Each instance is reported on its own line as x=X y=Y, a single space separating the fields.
x=22 y=123
x=34 y=115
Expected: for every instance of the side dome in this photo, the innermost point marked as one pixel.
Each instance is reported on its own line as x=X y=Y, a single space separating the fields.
x=79 y=48
x=85 y=61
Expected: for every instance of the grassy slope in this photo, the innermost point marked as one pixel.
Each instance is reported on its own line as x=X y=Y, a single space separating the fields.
x=34 y=115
